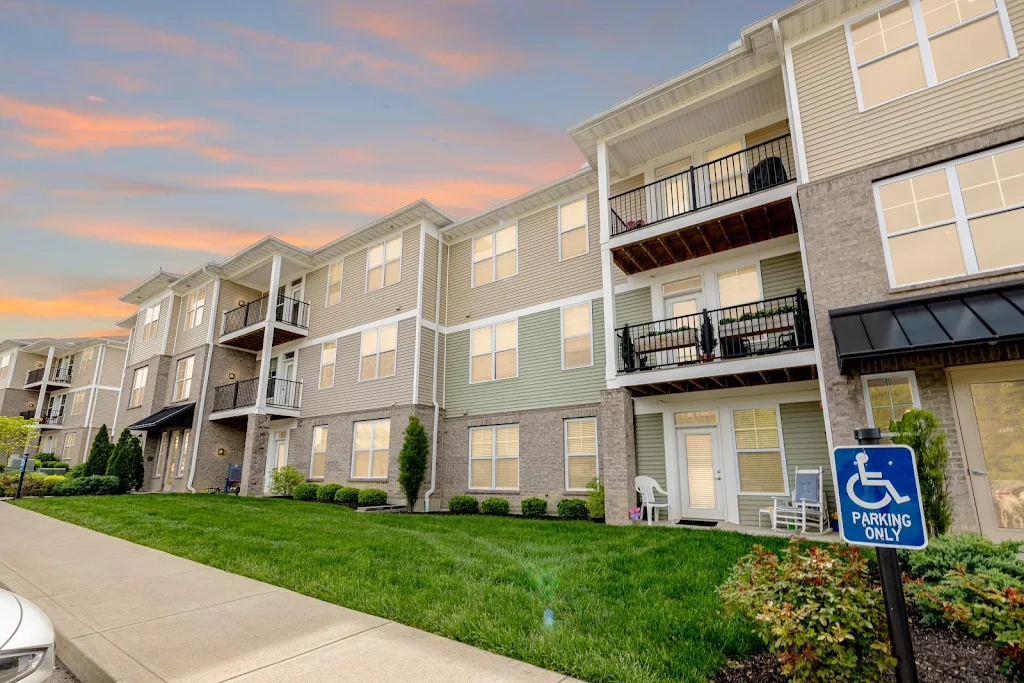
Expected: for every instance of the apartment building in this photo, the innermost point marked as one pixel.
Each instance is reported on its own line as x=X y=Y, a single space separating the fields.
x=70 y=386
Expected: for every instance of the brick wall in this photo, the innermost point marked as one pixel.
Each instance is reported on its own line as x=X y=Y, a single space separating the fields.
x=617 y=433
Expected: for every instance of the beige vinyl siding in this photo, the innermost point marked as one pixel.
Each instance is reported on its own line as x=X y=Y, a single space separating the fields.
x=767 y=134
x=113 y=367
x=75 y=421
x=429 y=279
x=782 y=275
x=444 y=284
x=838 y=138
x=106 y=404
x=633 y=307
x=358 y=306
x=177 y=315
x=803 y=436
x=348 y=393
x=650 y=448
x=541 y=382
x=626 y=185
x=541 y=278
x=145 y=349
x=189 y=339
x=24 y=364
x=78 y=378
x=442 y=350
x=426 y=386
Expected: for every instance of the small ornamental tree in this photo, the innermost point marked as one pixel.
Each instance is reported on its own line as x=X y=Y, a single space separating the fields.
x=412 y=461
x=122 y=463
x=919 y=429
x=15 y=433
x=99 y=454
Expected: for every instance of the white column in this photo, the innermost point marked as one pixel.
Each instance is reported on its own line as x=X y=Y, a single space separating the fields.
x=607 y=283
x=42 y=387
x=268 y=333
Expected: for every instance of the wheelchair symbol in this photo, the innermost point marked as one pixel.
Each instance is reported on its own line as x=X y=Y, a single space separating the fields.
x=872 y=479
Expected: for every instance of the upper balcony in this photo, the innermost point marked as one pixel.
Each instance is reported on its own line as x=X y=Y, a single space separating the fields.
x=244 y=327
x=59 y=378
x=284 y=398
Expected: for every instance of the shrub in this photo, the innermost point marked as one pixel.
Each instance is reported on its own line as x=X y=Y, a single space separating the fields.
x=494 y=506
x=573 y=508
x=919 y=429
x=305 y=491
x=373 y=497
x=32 y=486
x=463 y=505
x=326 y=493
x=973 y=552
x=99 y=453
x=76 y=471
x=412 y=461
x=96 y=485
x=284 y=479
x=595 y=498
x=126 y=461
x=346 y=495
x=534 y=507
x=47 y=460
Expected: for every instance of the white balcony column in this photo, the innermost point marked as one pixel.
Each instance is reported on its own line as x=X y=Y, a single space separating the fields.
x=607 y=263
x=46 y=378
x=268 y=333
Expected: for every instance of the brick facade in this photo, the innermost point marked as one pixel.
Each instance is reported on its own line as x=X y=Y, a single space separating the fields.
x=617 y=437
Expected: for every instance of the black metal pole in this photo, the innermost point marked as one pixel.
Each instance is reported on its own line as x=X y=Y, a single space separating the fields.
x=892 y=591
x=21 y=477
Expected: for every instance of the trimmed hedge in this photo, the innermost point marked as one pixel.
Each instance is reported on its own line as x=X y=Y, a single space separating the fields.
x=534 y=507
x=95 y=485
x=326 y=493
x=372 y=497
x=494 y=506
x=346 y=495
x=573 y=508
x=305 y=491
x=463 y=505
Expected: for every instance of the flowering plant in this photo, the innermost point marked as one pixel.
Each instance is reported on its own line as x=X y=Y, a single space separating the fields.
x=634 y=513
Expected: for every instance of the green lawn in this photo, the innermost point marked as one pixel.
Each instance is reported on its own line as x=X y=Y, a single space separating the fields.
x=624 y=603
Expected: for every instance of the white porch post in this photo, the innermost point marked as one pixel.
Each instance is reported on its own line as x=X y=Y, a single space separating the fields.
x=42 y=387
x=607 y=283
x=268 y=333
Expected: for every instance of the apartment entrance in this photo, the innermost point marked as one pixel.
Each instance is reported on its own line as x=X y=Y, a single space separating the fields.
x=702 y=490
x=277 y=455
x=990 y=406
x=289 y=303
x=282 y=393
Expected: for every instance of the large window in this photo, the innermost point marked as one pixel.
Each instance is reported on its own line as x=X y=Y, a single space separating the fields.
x=573 y=238
x=577 y=349
x=5 y=365
x=334 y=283
x=738 y=286
x=888 y=397
x=69 y=446
x=78 y=403
x=494 y=457
x=495 y=256
x=150 y=322
x=183 y=378
x=915 y=44
x=759 y=451
x=370 y=444
x=328 y=354
x=194 y=308
x=494 y=351
x=86 y=362
x=377 y=352
x=138 y=387
x=318 y=461
x=580 y=453
x=384 y=264
x=959 y=218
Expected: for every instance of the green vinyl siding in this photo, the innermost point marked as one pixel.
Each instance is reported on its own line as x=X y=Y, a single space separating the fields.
x=782 y=275
x=633 y=307
x=803 y=435
x=541 y=382
x=650 y=448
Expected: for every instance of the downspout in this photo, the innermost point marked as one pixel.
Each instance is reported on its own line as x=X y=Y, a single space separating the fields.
x=91 y=412
x=433 y=396
x=124 y=373
x=206 y=379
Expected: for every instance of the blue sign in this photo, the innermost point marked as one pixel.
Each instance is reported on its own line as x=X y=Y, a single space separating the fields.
x=879 y=496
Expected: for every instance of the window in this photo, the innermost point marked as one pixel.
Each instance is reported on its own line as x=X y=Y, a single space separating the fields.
x=150 y=322
x=739 y=286
x=78 y=403
x=384 y=264
x=959 y=218
x=580 y=453
x=494 y=351
x=138 y=387
x=370 y=444
x=69 y=445
x=318 y=462
x=328 y=353
x=183 y=378
x=47 y=446
x=194 y=308
x=577 y=350
x=573 y=236
x=495 y=256
x=334 y=284
x=5 y=365
x=377 y=352
x=494 y=457
x=889 y=397
x=179 y=467
x=87 y=360
x=916 y=44
x=759 y=451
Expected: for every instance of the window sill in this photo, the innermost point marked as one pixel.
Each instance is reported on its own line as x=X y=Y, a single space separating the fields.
x=314 y=479
x=508 y=491
x=956 y=279
x=378 y=479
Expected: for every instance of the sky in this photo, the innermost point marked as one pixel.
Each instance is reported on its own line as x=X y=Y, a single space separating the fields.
x=137 y=135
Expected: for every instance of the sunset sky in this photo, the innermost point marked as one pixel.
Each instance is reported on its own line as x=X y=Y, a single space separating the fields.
x=141 y=134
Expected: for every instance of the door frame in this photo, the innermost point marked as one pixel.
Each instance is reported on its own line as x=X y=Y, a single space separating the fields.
x=685 y=511
x=267 y=469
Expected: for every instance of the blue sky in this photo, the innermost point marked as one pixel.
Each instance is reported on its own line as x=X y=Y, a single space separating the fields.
x=138 y=135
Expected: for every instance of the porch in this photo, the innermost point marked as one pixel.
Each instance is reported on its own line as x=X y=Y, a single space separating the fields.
x=244 y=327
x=283 y=398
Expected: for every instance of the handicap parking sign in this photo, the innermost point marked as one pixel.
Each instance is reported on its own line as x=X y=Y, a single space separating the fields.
x=879 y=496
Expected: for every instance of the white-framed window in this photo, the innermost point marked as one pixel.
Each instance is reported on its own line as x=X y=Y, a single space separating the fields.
x=5 y=365
x=47 y=446
x=580 y=453
x=371 y=441
x=377 y=352
x=889 y=396
x=328 y=354
x=179 y=466
x=958 y=218
x=738 y=286
x=911 y=45
x=183 y=378
x=318 y=461
x=494 y=352
x=69 y=446
x=86 y=361
x=384 y=264
x=334 y=273
x=138 y=387
x=161 y=454
x=494 y=457
x=577 y=336
x=573 y=230
x=150 y=322
x=495 y=255
x=78 y=403
x=760 y=459
x=194 y=307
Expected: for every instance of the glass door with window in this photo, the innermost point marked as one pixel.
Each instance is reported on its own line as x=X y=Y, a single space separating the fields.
x=684 y=301
x=173 y=451
x=289 y=302
x=277 y=454
x=702 y=489
x=282 y=380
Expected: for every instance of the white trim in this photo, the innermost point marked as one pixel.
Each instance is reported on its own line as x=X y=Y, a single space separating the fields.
x=185 y=381
x=523 y=312
x=124 y=376
x=796 y=125
x=383 y=244
x=97 y=364
x=321 y=365
x=915 y=397
x=369 y=470
x=494 y=255
x=494 y=457
x=340 y=282
x=348 y=332
x=782 y=449
x=167 y=327
x=565 y=449
x=493 y=353
x=586 y=229
x=376 y=372
x=563 y=338
x=498 y=223
x=312 y=451
x=789 y=359
x=210 y=331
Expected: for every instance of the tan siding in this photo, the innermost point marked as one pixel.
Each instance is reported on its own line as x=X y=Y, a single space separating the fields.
x=541 y=276
x=113 y=367
x=626 y=185
x=176 y=322
x=142 y=350
x=633 y=307
x=442 y=354
x=650 y=448
x=838 y=138
x=782 y=275
x=430 y=279
x=74 y=421
x=444 y=284
x=426 y=388
x=767 y=134
x=189 y=339
x=232 y=295
x=24 y=364
x=106 y=404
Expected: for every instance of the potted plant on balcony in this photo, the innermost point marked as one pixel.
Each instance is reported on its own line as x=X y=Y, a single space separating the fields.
x=707 y=340
x=666 y=339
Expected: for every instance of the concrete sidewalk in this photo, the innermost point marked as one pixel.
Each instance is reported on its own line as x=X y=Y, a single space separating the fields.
x=124 y=612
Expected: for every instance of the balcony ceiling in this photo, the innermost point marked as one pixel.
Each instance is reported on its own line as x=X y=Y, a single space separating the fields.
x=728 y=381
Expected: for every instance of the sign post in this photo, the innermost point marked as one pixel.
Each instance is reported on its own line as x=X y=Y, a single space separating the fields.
x=880 y=505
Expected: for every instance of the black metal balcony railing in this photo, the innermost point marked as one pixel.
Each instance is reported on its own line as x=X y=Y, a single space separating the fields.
x=293 y=312
x=281 y=393
x=762 y=327
x=57 y=374
x=27 y=414
x=34 y=376
x=52 y=418
x=750 y=170
x=288 y=311
x=284 y=393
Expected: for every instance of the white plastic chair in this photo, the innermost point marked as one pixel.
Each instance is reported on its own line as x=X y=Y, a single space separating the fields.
x=806 y=504
x=647 y=487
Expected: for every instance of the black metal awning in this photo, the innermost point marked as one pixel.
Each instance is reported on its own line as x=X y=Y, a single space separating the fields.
x=174 y=416
x=934 y=322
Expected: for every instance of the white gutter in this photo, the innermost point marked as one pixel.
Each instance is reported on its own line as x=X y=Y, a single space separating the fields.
x=433 y=397
x=212 y=318
x=124 y=373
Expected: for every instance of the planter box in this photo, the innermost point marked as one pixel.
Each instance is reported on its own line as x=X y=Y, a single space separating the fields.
x=774 y=323
x=665 y=342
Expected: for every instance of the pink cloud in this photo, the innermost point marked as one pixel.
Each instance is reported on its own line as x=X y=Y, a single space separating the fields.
x=128 y=35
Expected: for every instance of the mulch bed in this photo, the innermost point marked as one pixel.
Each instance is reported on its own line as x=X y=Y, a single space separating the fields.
x=942 y=657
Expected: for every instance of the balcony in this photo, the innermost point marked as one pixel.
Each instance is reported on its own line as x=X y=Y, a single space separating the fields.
x=27 y=414
x=60 y=378
x=243 y=327
x=54 y=420
x=284 y=397
x=763 y=342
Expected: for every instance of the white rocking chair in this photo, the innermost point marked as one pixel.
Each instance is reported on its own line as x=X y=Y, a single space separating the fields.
x=807 y=504
x=647 y=487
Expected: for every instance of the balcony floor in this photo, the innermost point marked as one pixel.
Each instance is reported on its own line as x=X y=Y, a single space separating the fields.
x=777 y=368
x=251 y=338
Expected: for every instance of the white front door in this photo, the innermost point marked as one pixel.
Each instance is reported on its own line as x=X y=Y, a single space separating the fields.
x=702 y=490
x=282 y=393
x=290 y=303
x=277 y=454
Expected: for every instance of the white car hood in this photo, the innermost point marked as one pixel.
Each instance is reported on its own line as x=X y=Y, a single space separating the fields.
x=22 y=624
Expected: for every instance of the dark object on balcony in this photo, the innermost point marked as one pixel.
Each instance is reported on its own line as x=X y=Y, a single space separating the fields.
x=232 y=482
x=735 y=347
x=767 y=173
x=707 y=338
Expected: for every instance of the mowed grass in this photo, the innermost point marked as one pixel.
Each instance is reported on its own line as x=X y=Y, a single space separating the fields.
x=622 y=603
